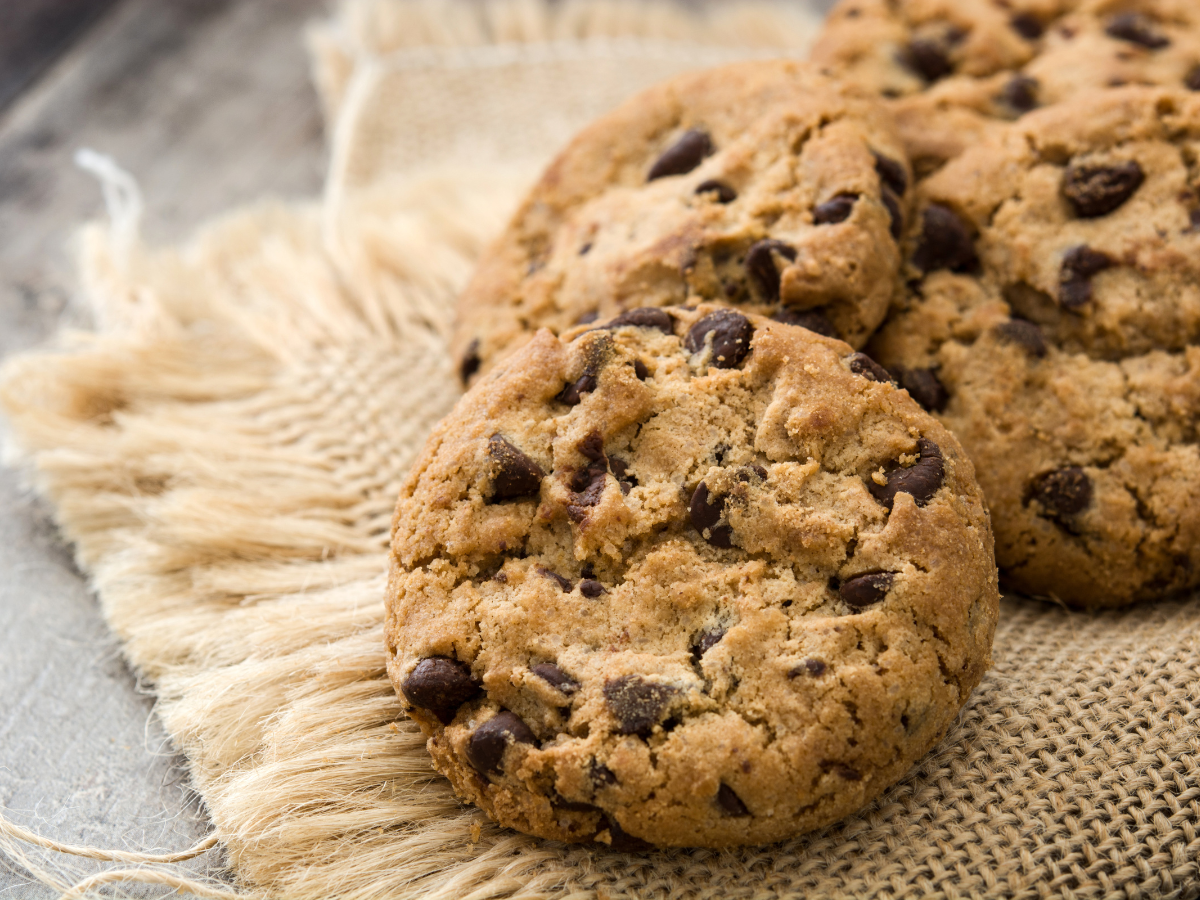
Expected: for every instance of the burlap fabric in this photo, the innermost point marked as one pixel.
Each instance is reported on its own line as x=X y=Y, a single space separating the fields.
x=224 y=449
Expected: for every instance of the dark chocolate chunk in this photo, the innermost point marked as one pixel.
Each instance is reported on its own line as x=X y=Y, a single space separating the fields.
x=730 y=802
x=831 y=212
x=1062 y=493
x=928 y=58
x=682 y=156
x=863 y=590
x=556 y=677
x=861 y=364
x=485 y=750
x=591 y=588
x=440 y=685
x=751 y=472
x=470 y=362
x=1137 y=29
x=513 y=473
x=891 y=173
x=640 y=370
x=1075 y=277
x=946 y=242
x=1020 y=93
x=813 y=667
x=892 y=205
x=849 y=773
x=572 y=393
x=760 y=266
x=560 y=580
x=705 y=516
x=705 y=641
x=588 y=486
x=725 y=194
x=921 y=480
x=592 y=446
x=637 y=703
x=808 y=318
x=624 y=842
x=587 y=318
x=1027 y=26
x=584 y=251
x=1191 y=80
x=644 y=317
x=924 y=386
x=1023 y=334
x=620 y=470
x=1096 y=190
x=731 y=333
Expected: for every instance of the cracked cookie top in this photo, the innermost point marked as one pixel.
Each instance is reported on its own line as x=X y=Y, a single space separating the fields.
x=955 y=69
x=688 y=577
x=1051 y=322
x=761 y=184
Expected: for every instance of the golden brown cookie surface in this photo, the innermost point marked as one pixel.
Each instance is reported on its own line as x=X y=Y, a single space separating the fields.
x=1052 y=324
x=762 y=185
x=693 y=577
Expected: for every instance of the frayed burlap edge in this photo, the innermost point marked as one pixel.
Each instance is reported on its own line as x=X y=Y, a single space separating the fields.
x=223 y=453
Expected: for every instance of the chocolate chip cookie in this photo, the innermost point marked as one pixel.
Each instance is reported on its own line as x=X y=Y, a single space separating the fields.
x=690 y=577
x=1051 y=323
x=762 y=185
x=958 y=68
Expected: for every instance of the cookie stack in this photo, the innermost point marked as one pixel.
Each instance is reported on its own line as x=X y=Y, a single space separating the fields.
x=703 y=556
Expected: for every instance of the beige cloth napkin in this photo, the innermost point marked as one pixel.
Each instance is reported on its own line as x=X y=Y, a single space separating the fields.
x=224 y=451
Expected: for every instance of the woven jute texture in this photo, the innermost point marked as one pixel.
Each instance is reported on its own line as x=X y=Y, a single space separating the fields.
x=224 y=449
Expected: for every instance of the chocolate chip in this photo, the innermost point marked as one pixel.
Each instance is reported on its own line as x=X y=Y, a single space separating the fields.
x=560 y=580
x=705 y=516
x=513 y=473
x=584 y=251
x=556 y=677
x=682 y=156
x=1023 y=334
x=620 y=470
x=644 y=317
x=849 y=773
x=640 y=370
x=920 y=480
x=1062 y=493
x=573 y=392
x=864 y=590
x=623 y=841
x=813 y=667
x=587 y=318
x=1020 y=92
x=592 y=446
x=924 y=386
x=591 y=588
x=725 y=194
x=485 y=750
x=588 y=486
x=1095 y=190
x=831 y=212
x=470 y=362
x=810 y=319
x=891 y=173
x=1137 y=29
x=705 y=641
x=1027 y=26
x=601 y=775
x=730 y=802
x=946 y=242
x=928 y=58
x=748 y=473
x=1075 y=277
x=760 y=266
x=1192 y=79
x=861 y=364
x=440 y=685
x=637 y=703
x=731 y=333
x=895 y=213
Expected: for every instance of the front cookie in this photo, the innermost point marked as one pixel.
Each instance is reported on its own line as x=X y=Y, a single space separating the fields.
x=689 y=578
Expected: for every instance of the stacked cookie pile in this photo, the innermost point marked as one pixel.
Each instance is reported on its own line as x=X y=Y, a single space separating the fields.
x=703 y=556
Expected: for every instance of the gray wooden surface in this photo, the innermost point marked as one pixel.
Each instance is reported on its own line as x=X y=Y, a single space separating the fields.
x=208 y=104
